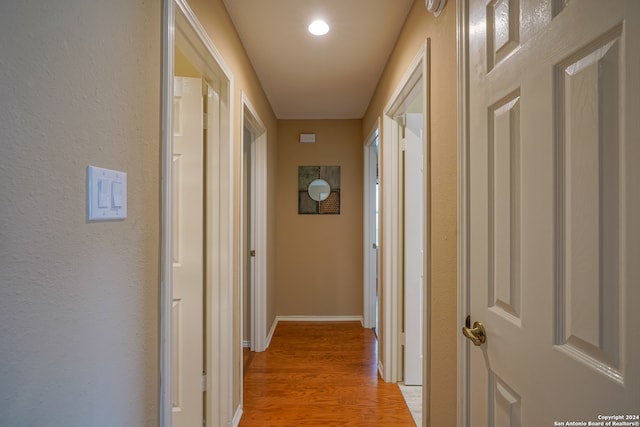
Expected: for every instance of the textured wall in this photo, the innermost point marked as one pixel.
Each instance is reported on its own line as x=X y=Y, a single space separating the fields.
x=319 y=264
x=79 y=85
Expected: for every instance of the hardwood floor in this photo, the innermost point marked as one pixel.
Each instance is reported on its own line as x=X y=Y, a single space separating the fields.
x=320 y=374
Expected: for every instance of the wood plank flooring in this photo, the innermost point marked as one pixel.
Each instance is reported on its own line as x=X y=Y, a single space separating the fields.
x=320 y=374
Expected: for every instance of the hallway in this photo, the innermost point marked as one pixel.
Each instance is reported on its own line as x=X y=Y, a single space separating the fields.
x=320 y=374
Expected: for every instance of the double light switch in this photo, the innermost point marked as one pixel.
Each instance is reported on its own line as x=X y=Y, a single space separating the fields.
x=107 y=194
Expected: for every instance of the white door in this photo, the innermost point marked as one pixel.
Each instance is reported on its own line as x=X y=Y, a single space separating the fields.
x=255 y=252
x=187 y=363
x=414 y=220
x=554 y=211
x=248 y=224
x=370 y=310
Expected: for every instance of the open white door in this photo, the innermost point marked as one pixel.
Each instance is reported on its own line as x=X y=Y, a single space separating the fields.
x=414 y=226
x=254 y=251
x=248 y=252
x=188 y=282
x=554 y=202
x=370 y=289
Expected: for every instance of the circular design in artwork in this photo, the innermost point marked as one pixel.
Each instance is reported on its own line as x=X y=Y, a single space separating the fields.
x=319 y=190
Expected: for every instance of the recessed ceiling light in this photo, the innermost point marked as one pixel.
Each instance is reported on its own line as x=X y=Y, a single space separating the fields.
x=319 y=28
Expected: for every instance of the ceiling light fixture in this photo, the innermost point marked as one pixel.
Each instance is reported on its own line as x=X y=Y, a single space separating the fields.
x=319 y=28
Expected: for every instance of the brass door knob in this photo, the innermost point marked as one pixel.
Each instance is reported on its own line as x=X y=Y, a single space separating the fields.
x=477 y=334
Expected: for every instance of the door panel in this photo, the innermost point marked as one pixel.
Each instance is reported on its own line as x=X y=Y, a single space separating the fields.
x=187 y=253
x=554 y=202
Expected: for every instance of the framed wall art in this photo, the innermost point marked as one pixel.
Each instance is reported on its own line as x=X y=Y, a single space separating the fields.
x=319 y=190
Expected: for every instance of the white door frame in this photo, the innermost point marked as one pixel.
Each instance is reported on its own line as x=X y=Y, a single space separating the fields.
x=370 y=255
x=258 y=303
x=180 y=21
x=462 y=22
x=391 y=221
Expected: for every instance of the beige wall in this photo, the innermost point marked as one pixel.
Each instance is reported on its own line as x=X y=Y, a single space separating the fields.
x=442 y=334
x=319 y=265
x=214 y=18
x=80 y=85
x=182 y=66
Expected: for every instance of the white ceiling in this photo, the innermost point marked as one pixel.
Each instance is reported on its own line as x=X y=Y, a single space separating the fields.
x=310 y=77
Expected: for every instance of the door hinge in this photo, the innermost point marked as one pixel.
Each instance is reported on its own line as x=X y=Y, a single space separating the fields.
x=403 y=338
x=204 y=121
x=403 y=145
x=252 y=253
x=204 y=382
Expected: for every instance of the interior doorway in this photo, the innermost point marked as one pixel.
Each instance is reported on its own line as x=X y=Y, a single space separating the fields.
x=371 y=227
x=253 y=254
x=405 y=227
x=248 y=239
x=185 y=39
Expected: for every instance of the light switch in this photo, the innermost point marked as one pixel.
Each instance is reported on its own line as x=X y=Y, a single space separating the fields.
x=116 y=192
x=104 y=193
x=107 y=194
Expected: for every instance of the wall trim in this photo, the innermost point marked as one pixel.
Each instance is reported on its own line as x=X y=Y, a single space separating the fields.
x=272 y=330
x=166 y=261
x=237 y=417
x=304 y=318
x=463 y=285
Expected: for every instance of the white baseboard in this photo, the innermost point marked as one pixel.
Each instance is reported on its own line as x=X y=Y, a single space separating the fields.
x=246 y=343
x=271 y=332
x=237 y=417
x=320 y=319
x=380 y=369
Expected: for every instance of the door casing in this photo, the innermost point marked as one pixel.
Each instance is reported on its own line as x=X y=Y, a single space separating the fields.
x=258 y=177
x=462 y=19
x=180 y=23
x=370 y=254
x=391 y=224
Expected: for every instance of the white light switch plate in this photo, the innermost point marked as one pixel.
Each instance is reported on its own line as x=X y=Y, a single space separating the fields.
x=107 y=194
